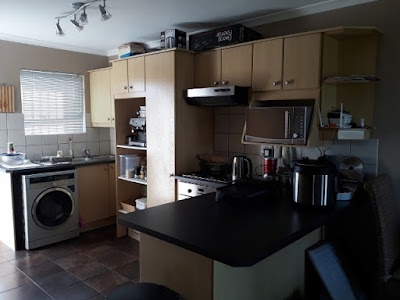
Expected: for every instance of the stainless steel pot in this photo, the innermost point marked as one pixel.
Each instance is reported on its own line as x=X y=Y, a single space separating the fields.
x=314 y=182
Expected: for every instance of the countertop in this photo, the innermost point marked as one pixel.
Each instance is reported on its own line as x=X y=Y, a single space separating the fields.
x=239 y=233
x=44 y=167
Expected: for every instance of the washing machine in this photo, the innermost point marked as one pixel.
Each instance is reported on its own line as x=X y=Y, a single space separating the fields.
x=50 y=207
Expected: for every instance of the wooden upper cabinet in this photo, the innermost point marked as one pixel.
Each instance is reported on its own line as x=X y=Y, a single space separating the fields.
x=136 y=74
x=101 y=100
x=119 y=77
x=302 y=61
x=267 y=65
x=207 y=68
x=237 y=65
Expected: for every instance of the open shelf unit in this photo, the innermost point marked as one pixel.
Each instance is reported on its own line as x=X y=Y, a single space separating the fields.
x=132 y=147
x=135 y=180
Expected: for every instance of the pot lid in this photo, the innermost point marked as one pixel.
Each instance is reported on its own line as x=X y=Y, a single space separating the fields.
x=314 y=166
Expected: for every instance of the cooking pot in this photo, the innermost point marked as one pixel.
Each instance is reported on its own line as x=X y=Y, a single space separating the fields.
x=314 y=182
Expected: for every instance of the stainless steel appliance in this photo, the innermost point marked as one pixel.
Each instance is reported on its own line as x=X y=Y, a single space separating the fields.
x=286 y=125
x=218 y=96
x=241 y=168
x=197 y=184
x=138 y=137
x=314 y=182
x=50 y=207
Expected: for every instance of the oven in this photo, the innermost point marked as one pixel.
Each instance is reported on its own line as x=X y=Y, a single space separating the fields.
x=193 y=185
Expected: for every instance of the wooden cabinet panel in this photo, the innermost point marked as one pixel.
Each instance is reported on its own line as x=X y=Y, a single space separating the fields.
x=93 y=192
x=136 y=74
x=237 y=65
x=101 y=104
x=111 y=189
x=267 y=65
x=119 y=77
x=302 y=61
x=208 y=68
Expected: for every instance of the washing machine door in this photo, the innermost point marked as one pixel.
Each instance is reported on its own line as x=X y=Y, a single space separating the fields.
x=52 y=208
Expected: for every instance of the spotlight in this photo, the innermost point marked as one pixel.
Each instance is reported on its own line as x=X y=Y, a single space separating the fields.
x=59 y=30
x=76 y=23
x=83 y=17
x=104 y=14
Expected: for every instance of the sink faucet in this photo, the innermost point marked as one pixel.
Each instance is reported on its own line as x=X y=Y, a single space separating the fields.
x=87 y=152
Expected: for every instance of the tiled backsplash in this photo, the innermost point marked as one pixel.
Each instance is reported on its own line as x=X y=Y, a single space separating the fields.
x=98 y=140
x=228 y=128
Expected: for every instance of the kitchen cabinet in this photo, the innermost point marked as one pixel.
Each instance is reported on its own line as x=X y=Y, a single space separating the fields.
x=230 y=66
x=101 y=100
x=127 y=76
x=288 y=63
x=111 y=190
x=94 y=190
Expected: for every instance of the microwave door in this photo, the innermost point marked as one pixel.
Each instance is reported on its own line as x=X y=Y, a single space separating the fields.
x=269 y=125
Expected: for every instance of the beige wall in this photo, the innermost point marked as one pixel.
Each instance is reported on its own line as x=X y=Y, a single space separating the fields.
x=383 y=14
x=15 y=56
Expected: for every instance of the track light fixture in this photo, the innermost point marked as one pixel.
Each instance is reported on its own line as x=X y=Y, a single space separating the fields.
x=83 y=18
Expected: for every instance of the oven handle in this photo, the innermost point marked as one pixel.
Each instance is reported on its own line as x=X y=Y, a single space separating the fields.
x=287 y=124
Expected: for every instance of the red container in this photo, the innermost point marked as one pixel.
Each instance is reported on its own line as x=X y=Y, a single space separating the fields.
x=270 y=165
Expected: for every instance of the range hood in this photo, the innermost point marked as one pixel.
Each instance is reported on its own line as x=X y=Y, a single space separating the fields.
x=218 y=96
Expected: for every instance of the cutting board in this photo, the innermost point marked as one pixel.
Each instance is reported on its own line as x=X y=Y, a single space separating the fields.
x=7 y=99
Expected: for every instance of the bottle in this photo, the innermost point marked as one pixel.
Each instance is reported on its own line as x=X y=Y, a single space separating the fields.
x=70 y=152
x=10 y=148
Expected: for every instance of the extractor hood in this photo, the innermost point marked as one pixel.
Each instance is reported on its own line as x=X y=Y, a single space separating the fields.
x=218 y=96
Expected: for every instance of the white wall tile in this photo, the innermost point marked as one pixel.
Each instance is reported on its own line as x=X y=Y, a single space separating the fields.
x=3 y=149
x=235 y=143
x=50 y=150
x=79 y=138
x=77 y=148
x=104 y=134
x=366 y=150
x=64 y=148
x=105 y=148
x=112 y=151
x=252 y=149
x=32 y=140
x=221 y=123
x=63 y=138
x=94 y=148
x=370 y=171
x=339 y=148
x=17 y=136
x=311 y=153
x=34 y=152
x=257 y=164
x=237 y=109
x=221 y=142
x=3 y=121
x=236 y=123
x=20 y=149
x=15 y=121
x=50 y=139
x=3 y=138
x=92 y=134
x=88 y=119
x=112 y=135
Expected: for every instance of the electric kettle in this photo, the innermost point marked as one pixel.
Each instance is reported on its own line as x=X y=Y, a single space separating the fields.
x=241 y=168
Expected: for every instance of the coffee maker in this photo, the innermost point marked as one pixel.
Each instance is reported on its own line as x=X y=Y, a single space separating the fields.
x=138 y=137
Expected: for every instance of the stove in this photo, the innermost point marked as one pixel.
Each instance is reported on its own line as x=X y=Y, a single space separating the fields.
x=217 y=178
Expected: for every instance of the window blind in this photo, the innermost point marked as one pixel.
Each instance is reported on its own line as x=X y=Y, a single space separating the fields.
x=52 y=102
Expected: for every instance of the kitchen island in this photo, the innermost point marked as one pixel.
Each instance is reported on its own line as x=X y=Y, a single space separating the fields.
x=232 y=249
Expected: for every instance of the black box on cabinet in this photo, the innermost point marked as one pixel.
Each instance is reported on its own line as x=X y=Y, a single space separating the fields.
x=173 y=38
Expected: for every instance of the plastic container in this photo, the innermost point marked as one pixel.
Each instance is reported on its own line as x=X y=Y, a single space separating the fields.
x=122 y=163
x=141 y=203
x=131 y=162
x=13 y=159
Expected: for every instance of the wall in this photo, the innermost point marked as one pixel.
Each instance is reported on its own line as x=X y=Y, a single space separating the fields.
x=16 y=56
x=382 y=14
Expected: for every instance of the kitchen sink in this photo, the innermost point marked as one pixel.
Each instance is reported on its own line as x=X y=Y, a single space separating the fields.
x=93 y=158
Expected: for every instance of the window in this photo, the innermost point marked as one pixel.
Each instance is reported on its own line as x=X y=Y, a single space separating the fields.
x=52 y=102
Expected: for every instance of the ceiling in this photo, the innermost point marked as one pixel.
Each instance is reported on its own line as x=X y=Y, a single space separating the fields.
x=33 y=22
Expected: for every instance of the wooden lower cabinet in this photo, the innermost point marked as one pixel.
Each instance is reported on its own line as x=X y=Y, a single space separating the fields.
x=95 y=185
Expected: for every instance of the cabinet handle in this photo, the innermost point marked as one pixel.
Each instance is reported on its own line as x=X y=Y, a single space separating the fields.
x=112 y=119
x=225 y=82
x=131 y=87
x=287 y=82
x=215 y=82
x=275 y=83
x=125 y=87
x=112 y=167
x=105 y=168
x=108 y=119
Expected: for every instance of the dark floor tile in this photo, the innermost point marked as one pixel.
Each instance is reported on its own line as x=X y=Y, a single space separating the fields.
x=88 y=270
x=97 y=297
x=73 y=261
x=59 y=251
x=99 y=251
x=28 y=291
x=12 y=281
x=30 y=261
x=127 y=246
x=57 y=281
x=106 y=282
x=131 y=271
x=43 y=270
x=77 y=291
x=12 y=255
x=7 y=268
x=115 y=260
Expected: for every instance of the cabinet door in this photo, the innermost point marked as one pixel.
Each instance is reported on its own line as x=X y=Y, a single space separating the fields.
x=100 y=98
x=302 y=62
x=136 y=74
x=207 y=68
x=93 y=192
x=237 y=65
x=267 y=65
x=111 y=185
x=119 y=77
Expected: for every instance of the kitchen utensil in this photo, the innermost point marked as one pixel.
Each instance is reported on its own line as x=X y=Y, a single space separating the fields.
x=13 y=158
x=352 y=168
x=314 y=182
x=270 y=165
x=241 y=168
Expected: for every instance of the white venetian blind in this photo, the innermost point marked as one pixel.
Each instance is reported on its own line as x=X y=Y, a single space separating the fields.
x=52 y=102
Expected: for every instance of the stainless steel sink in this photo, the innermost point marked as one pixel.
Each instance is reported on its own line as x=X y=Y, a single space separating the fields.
x=93 y=158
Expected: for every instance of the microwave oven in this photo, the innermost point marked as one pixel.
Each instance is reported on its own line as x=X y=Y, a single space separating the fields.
x=286 y=125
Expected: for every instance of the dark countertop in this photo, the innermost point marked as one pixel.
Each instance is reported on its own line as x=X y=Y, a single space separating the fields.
x=238 y=233
x=45 y=167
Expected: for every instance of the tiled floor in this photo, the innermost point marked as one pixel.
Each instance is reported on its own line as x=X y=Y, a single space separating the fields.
x=88 y=267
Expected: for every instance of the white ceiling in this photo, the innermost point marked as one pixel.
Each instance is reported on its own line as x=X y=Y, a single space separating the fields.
x=33 y=22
